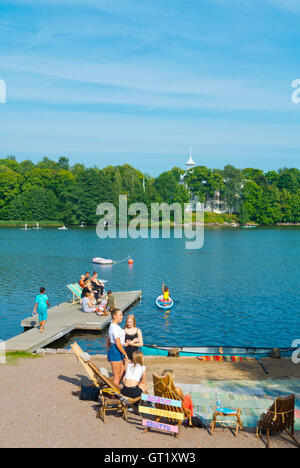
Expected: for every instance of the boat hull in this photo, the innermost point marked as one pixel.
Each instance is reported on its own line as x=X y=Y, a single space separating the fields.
x=213 y=351
x=102 y=261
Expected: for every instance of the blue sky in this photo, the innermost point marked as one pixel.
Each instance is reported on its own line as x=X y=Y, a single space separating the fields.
x=126 y=81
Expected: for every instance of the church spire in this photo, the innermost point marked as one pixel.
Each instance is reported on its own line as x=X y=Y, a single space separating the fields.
x=190 y=164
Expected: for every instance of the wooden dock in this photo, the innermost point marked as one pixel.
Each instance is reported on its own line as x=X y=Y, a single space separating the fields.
x=62 y=320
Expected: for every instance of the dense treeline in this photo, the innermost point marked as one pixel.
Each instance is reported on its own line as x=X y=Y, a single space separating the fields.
x=56 y=191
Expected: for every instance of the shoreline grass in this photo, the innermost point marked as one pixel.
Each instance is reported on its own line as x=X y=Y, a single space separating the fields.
x=210 y=218
x=13 y=357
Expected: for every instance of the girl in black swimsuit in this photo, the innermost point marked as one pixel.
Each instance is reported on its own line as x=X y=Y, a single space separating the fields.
x=133 y=337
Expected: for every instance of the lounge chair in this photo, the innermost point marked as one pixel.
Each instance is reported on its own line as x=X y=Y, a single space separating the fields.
x=110 y=394
x=280 y=417
x=76 y=290
x=164 y=387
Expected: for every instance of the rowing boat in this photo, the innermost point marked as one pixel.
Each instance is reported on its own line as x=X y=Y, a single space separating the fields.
x=242 y=351
x=103 y=261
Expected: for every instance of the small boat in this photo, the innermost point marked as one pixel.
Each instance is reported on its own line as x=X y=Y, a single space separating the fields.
x=82 y=225
x=162 y=304
x=241 y=351
x=63 y=228
x=103 y=261
x=248 y=226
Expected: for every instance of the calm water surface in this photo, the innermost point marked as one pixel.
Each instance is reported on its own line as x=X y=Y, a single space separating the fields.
x=241 y=288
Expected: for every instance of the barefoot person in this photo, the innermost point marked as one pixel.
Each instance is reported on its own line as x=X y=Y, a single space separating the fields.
x=41 y=307
x=116 y=339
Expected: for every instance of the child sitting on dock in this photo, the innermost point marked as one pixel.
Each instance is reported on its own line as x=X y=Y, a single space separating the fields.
x=102 y=306
x=41 y=307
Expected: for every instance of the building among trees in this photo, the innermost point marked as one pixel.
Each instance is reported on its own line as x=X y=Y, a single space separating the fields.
x=211 y=203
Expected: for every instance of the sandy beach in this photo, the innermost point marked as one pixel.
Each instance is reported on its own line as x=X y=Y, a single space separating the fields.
x=38 y=409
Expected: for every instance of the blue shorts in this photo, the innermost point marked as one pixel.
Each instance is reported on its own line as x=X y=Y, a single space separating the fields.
x=114 y=355
x=43 y=315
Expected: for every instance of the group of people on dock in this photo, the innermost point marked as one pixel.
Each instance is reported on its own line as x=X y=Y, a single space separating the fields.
x=93 y=296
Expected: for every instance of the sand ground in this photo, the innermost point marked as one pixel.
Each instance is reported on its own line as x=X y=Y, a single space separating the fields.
x=38 y=410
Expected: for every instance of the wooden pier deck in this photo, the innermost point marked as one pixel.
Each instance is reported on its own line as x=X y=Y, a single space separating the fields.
x=62 y=320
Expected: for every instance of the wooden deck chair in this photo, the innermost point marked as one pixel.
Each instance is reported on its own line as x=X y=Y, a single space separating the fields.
x=110 y=394
x=76 y=290
x=280 y=417
x=164 y=387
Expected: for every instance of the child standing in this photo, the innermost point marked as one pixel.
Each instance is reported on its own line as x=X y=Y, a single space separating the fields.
x=41 y=307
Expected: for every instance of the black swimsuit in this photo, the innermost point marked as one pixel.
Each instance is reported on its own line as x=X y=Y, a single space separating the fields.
x=131 y=349
x=96 y=289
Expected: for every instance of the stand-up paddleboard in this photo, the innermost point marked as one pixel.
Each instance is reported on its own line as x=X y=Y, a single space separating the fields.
x=26 y=228
x=164 y=304
x=103 y=261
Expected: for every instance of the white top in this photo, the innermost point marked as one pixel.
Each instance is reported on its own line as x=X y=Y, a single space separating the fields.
x=135 y=372
x=86 y=305
x=114 y=332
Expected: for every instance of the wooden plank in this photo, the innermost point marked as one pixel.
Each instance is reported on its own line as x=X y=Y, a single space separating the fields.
x=77 y=351
x=160 y=426
x=161 y=413
x=161 y=400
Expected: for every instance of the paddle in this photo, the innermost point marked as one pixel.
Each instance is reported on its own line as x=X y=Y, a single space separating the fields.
x=261 y=365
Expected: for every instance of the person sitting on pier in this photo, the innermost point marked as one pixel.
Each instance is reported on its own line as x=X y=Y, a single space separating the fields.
x=135 y=379
x=102 y=306
x=87 y=288
x=87 y=304
x=97 y=286
x=87 y=276
x=81 y=282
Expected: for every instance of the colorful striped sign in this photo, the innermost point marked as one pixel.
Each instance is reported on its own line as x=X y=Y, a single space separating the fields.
x=160 y=426
x=162 y=413
x=162 y=401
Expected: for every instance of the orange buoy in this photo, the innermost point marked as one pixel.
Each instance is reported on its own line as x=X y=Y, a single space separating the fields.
x=130 y=261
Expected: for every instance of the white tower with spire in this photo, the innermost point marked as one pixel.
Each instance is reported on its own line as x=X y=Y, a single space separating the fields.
x=190 y=164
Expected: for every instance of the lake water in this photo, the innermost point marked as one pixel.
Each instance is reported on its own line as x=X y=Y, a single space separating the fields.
x=241 y=288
